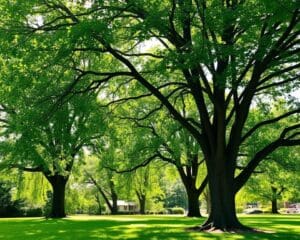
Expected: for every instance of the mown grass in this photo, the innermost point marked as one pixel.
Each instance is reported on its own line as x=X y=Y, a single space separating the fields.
x=285 y=227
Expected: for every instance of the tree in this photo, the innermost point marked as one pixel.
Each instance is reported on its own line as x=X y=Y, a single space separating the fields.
x=125 y=165
x=277 y=178
x=175 y=194
x=51 y=147
x=277 y=174
x=146 y=183
x=108 y=184
x=141 y=185
x=221 y=54
x=107 y=194
x=154 y=136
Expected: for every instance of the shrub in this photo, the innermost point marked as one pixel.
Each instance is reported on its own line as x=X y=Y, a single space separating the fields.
x=8 y=207
x=177 y=210
x=33 y=212
x=48 y=205
x=240 y=209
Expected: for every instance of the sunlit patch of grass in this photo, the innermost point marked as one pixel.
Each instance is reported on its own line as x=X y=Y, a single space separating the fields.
x=81 y=227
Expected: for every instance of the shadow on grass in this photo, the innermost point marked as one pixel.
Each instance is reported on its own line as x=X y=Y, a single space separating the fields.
x=131 y=227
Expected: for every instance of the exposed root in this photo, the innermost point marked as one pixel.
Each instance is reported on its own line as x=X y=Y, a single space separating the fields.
x=210 y=228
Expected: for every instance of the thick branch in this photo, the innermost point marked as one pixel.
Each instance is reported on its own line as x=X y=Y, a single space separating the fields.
x=242 y=178
x=267 y=122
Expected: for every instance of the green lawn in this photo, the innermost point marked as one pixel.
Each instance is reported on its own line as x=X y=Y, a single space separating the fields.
x=285 y=227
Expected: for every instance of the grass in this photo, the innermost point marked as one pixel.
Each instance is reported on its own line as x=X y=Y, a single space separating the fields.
x=285 y=227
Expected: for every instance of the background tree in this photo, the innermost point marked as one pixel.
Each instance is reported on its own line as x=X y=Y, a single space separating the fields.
x=53 y=145
x=155 y=135
x=146 y=182
x=277 y=172
x=277 y=178
x=175 y=194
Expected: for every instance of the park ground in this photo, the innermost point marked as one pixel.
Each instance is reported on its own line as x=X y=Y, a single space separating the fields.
x=285 y=227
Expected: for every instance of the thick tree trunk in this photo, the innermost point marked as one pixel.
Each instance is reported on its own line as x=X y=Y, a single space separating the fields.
x=207 y=200
x=222 y=215
x=193 y=203
x=58 y=184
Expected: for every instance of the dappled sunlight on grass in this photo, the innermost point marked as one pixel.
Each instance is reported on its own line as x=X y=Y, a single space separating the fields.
x=285 y=227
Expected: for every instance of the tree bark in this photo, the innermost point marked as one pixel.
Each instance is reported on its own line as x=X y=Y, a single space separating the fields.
x=142 y=201
x=193 y=203
x=222 y=194
x=114 y=198
x=274 y=206
x=188 y=175
x=206 y=195
x=58 y=184
x=99 y=204
x=274 y=200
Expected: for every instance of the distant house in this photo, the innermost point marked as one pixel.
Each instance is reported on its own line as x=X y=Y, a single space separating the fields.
x=252 y=208
x=292 y=207
x=252 y=205
x=127 y=206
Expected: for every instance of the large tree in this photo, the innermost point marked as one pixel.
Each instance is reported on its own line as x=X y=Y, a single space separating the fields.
x=224 y=55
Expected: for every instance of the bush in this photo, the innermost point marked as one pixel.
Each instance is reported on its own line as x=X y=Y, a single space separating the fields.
x=267 y=210
x=239 y=209
x=8 y=207
x=160 y=212
x=176 y=210
x=48 y=205
x=11 y=211
x=33 y=212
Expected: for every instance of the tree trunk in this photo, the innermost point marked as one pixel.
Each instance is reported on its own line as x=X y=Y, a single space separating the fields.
x=142 y=201
x=222 y=194
x=193 y=202
x=114 y=198
x=274 y=206
x=114 y=209
x=58 y=184
x=274 y=200
x=206 y=195
x=188 y=178
x=99 y=204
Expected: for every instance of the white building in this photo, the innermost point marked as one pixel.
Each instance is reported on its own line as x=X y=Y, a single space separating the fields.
x=126 y=206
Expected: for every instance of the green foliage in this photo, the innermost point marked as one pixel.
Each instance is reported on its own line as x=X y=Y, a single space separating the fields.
x=175 y=194
x=176 y=210
x=9 y=207
x=48 y=204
